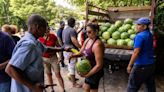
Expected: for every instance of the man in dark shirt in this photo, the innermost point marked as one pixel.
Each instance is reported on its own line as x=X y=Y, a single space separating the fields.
x=69 y=37
x=6 y=48
x=59 y=35
x=60 y=30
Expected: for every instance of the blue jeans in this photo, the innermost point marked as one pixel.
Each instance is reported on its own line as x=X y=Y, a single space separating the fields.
x=142 y=74
x=5 y=86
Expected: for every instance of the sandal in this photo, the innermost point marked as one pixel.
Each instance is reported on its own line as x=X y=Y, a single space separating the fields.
x=70 y=79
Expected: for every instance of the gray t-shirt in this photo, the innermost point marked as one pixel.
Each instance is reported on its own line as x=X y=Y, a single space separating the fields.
x=69 y=32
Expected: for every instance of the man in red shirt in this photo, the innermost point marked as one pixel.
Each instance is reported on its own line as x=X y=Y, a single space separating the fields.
x=51 y=61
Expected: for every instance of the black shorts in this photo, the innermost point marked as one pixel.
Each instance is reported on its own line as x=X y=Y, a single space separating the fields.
x=93 y=81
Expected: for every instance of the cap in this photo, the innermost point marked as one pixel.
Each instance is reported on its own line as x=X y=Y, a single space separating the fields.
x=143 y=20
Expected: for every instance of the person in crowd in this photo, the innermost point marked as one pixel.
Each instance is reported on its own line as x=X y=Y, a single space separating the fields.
x=84 y=34
x=6 y=28
x=59 y=35
x=14 y=30
x=69 y=37
x=26 y=64
x=93 y=50
x=11 y=30
x=51 y=61
x=93 y=21
x=6 y=48
x=141 y=66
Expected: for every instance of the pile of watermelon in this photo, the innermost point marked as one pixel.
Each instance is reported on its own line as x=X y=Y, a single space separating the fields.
x=121 y=33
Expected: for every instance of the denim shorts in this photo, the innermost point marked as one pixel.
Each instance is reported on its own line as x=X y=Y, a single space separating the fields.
x=5 y=86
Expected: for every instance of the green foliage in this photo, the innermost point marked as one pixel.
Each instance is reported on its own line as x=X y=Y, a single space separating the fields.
x=17 y=11
x=4 y=11
x=111 y=3
x=159 y=17
x=24 y=8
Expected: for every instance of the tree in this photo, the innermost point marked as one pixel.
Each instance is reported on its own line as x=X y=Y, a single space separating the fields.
x=159 y=17
x=4 y=12
x=110 y=3
x=24 y=8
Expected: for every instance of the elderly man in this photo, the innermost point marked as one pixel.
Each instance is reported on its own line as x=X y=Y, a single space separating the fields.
x=26 y=64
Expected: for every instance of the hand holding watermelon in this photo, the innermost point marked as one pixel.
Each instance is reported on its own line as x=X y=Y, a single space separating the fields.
x=83 y=67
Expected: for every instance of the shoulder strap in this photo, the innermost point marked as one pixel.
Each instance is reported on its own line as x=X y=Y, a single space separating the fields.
x=94 y=42
x=86 y=42
x=80 y=30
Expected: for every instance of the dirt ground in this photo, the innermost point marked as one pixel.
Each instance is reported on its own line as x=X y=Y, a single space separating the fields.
x=111 y=82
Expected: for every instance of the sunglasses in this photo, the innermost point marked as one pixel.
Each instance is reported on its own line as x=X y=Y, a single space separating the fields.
x=89 y=32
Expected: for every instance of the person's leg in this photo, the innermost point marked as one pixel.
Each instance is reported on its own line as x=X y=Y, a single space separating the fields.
x=5 y=87
x=62 y=62
x=93 y=81
x=150 y=80
x=48 y=72
x=150 y=84
x=135 y=79
x=71 y=69
x=60 y=80
x=86 y=87
x=56 y=69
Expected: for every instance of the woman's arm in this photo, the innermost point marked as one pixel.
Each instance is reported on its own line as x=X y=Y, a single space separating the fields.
x=80 y=54
x=98 y=49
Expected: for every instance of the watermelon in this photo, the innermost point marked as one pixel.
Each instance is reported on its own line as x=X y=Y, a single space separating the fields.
x=128 y=21
x=122 y=29
x=83 y=66
x=103 y=40
x=133 y=27
x=127 y=40
x=118 y=23
x=99 y=33
x=106 y=35
x=111 y=41
x=107 y=25
x=102 y=28
x=130 y=43
x=131 y=31
x=124 y=35
x=112 y=29
x=132 y=36
x=121 y=42
x=127 y=27
x=116 y=35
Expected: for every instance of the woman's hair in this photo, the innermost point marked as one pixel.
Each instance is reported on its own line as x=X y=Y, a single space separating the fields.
x=6 y=28
x=14 y=29
x=94 y=27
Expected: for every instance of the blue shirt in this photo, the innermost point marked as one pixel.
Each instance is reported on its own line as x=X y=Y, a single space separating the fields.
x=144 y=41
x=6 y=48
x=59 y=33
x=27 y=56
